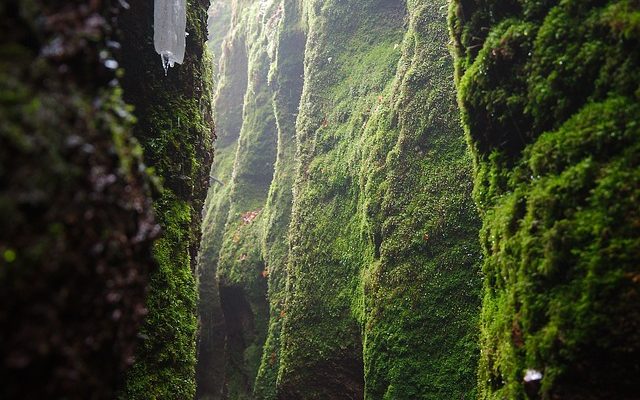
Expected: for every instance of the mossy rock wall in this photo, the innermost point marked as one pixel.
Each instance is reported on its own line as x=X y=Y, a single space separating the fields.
x=76 y=220
x=368 y=235
x=286 y=79
x=549 y=93
x=350 y=59
x=233 y=274
x=231 y=86
x=421 y=286
x=241 y=269
x=175 y=129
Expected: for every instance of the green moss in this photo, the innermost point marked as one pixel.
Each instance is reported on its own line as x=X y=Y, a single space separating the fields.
x=556 y=169
x=287 y=79
x=423 y=276
x=370 y=146
x=218 y=25
x=75 y=206
x=234 y=226
x=377 y=165
x=228 y=107
x=240 y=262
x=171 y=319
x=345 y=72
x=175 y=130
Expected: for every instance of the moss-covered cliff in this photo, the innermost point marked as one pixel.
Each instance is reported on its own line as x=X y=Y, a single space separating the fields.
x=286 y=81
x=76 y=224
x=339 y=255
x=241 y=270
x=227 y=105
x=549 y=91
x=232 y=271
x=368 y=235
x=421 y=286
x=175 y=129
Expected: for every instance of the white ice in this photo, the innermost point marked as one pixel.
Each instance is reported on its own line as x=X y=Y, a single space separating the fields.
x=169 y=36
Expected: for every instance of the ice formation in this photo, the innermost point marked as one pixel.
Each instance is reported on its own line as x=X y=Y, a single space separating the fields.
x=169 y=37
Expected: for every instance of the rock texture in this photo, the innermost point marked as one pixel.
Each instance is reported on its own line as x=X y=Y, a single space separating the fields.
x=342 y=196
x=76 y=221
x=175 y=129
x=549 y=92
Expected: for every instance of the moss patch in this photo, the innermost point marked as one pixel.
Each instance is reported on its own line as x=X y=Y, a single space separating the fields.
x=175 y=129
x=549 y=97
x=77 y=226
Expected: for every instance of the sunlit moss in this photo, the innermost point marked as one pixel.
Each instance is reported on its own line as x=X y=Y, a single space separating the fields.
x=379 y=211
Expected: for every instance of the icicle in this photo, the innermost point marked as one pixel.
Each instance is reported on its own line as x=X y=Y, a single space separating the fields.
x=169 y=36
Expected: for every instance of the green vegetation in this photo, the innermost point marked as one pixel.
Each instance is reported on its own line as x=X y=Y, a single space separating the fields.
x=362 y=235
x=287 y=80
x=240 y=266
x=421 y=289
x=368 y=236
x=175 y=130
x=351 y=56
x=76 y=222
x=231 y=269
x=549 y=92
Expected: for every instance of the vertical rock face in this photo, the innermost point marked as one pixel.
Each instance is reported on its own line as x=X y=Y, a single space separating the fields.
x=549 y=92
x=350 y=60
x=286 y=83
x=234 y=219
x=76 y=224
x=421 y=286
x=174 y=127
x=364 y=231
x=228 y=102
x=241 y=269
